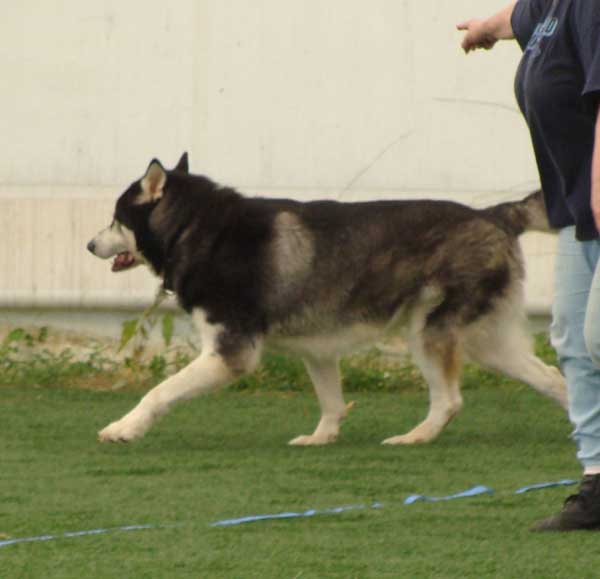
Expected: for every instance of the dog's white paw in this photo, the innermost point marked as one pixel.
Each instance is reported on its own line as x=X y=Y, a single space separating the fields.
x=313 y=440
x=126 y=429
x=410 y=438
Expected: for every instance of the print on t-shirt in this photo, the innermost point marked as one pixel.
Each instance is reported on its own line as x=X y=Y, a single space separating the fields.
x=543 y=30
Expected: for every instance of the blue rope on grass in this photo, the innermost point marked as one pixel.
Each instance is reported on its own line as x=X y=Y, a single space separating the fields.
x=475 y=491
x=478 y=490
x=292 y=515
x=535 y=487
x=84 y=533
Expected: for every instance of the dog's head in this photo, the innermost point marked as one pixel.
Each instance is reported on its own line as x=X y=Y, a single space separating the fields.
x=125 y=238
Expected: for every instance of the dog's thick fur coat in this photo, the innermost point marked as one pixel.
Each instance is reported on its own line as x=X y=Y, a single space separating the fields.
x=324 y=278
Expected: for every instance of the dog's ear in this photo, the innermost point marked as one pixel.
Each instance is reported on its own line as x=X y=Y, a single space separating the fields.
x=152 y=183
x=183 y=164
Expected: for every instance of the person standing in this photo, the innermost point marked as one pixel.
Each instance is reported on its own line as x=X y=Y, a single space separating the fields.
x=557 y=87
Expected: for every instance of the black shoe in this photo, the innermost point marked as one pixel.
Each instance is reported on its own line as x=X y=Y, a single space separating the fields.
x=580 y=511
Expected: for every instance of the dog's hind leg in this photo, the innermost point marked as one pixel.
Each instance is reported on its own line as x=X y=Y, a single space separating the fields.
x=215 y=367
x=505 y=346
x=438 y=356
x=325 y=376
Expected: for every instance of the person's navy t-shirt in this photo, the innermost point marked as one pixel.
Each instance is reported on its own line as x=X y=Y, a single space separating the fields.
x=558 y=90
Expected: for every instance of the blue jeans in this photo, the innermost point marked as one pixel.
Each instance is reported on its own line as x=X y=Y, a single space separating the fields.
x=575 y=334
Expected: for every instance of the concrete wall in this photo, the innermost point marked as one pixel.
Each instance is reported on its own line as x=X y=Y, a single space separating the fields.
x=345 y=99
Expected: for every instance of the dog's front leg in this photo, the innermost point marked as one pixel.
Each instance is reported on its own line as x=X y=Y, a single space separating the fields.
x=211 y=370
x=208 y=372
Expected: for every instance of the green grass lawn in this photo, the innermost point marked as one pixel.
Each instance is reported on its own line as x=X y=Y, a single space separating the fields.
x=225 y=456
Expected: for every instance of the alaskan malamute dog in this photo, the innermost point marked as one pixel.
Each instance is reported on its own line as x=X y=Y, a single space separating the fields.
x=322 y=279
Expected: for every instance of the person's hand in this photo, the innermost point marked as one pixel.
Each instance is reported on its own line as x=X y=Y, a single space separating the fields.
x=478 y=35
x=596 y=205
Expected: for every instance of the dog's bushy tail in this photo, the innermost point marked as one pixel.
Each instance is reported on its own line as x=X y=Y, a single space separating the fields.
x=529 y=214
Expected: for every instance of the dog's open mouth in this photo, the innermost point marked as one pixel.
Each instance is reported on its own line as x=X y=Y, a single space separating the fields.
x=123 y=260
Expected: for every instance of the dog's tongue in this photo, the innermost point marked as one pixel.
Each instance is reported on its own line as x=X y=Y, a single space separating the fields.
x=122 y=261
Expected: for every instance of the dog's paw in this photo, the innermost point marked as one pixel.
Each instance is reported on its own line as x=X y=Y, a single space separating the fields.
x=313 y=440
x=410 y=438
x=124 y=430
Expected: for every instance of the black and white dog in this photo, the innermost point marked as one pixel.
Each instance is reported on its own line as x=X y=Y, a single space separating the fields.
x=323 y=279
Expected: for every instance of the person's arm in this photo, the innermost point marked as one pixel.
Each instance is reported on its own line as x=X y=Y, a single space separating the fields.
x=596 y=173
x=485 y=33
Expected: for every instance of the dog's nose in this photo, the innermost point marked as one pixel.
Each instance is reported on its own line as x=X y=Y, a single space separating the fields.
x=91 y=246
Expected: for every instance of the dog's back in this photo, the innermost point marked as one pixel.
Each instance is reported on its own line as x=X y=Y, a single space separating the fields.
x=365 y=262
